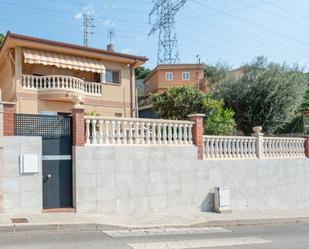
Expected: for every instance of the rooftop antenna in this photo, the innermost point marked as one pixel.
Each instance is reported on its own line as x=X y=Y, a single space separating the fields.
x=168 y=45
x=111 y=34
x=88 y=27
x=198 y=59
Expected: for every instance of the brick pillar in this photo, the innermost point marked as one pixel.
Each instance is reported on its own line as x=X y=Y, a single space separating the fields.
x=8 y=119
x=78 y=126
x=197 y=133
x=307 y=146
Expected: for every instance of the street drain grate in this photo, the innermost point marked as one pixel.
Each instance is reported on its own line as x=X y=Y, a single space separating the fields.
x=19 y=220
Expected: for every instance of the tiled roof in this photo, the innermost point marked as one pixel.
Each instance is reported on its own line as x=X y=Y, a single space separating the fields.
x=74 y=46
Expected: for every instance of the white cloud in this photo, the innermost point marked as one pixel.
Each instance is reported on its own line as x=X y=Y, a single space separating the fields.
x=89 y=9
x=129 y=51
x=109 y=24
x=78 y=16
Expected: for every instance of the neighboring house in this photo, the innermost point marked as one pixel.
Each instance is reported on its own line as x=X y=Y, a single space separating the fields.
x=139 y=85
x=44 y=76
x=170 y=75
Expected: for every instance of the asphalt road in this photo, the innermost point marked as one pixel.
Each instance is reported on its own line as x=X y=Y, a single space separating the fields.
x=284 y=236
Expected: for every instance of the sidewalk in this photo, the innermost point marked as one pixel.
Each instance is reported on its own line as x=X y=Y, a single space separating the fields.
x=73 y=221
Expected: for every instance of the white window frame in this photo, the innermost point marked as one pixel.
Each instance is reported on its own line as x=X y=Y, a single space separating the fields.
x=104 y=75
x=185 y=73
x=171 y=74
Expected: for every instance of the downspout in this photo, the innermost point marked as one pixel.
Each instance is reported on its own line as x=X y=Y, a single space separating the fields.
x=136 y=103
x=131 y=89
x=131 y=97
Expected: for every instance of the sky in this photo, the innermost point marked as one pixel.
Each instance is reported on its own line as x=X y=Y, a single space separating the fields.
x=233 y=32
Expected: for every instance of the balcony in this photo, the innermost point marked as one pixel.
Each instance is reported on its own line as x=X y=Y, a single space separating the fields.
x=61 y=83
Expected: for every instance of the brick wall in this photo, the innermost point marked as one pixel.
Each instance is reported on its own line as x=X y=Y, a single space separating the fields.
x=307 y=147
x=197 y=133
x=78 y=127
x=8 y=119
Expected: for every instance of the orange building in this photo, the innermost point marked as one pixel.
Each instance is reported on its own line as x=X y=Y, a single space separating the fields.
x=170 y=75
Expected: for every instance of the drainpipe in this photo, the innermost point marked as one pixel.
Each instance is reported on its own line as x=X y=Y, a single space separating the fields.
x=136 y=103
x=131 y=90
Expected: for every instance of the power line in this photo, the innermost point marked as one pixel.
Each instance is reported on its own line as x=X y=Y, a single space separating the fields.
x=290 y=12
x=259 y=40
x=246 y=21
x=285 y=18
x=168 y=46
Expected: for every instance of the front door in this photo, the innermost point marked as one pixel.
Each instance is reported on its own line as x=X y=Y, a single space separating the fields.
x=56 y=155
x=57 y=172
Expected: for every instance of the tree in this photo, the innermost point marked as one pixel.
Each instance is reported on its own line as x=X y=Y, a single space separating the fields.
x=178 y=102
x=266 y=94
x=141 y=73
x=1 y=39
x=219 y=121
x=215 y=73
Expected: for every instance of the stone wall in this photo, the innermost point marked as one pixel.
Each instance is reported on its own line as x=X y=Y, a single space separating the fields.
x=21 y=193
x=169 y=178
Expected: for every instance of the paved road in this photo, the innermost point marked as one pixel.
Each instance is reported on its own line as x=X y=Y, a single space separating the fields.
x=286 y=236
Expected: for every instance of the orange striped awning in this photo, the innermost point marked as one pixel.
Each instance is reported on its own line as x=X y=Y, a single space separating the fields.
x=32 y=56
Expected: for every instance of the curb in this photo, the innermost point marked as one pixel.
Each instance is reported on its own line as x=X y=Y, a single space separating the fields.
x=77 y=227
x=61 y=227
x=261 y=221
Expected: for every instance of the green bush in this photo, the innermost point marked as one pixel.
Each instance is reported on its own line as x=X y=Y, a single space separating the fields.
x=265 y=94
x=179 y=102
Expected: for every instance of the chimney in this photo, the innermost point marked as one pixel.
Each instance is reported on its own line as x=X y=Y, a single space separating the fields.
x=110 y=47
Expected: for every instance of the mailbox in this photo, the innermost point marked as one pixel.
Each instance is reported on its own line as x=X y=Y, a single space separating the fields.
x=28 y=164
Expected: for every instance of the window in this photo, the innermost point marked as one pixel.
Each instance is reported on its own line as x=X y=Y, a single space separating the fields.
x=185 y=75
x=118 y=115
x=97 y=77
x=112 y=76
x=169 y=76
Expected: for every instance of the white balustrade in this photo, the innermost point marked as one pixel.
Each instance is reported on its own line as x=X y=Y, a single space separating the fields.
x=283 y=147
x=233 y=147
x=229 y=147
x=61 y=82
x=129 y=131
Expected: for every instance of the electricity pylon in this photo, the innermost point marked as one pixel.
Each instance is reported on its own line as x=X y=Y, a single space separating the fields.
x=166 y=10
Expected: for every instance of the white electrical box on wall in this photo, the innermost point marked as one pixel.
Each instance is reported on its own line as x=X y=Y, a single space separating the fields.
x=222 y=200
x=28 y=164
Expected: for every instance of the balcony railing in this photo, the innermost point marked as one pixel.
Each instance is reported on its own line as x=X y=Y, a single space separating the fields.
x=103 y=131
x=229 y=147
x=61 y=82
x=233 y=147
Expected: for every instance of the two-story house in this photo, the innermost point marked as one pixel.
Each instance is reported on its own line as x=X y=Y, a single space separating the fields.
x=170 y=75
x=165 y=76
x=43 y=76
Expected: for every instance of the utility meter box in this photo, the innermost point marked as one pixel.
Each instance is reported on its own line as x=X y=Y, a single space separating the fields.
x=28 y=164
x=222 y=200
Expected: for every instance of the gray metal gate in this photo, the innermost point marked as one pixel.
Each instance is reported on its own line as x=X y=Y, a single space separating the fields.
x=56 y=155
